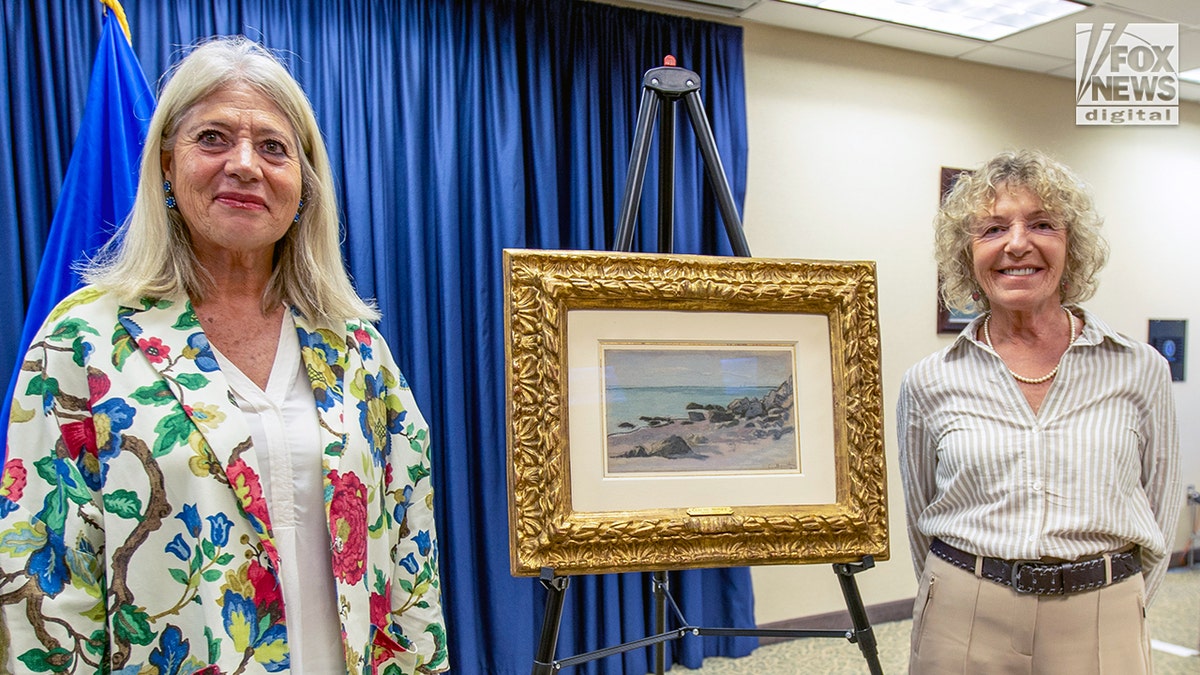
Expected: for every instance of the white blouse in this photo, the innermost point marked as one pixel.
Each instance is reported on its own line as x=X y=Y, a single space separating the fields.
x=283 y=426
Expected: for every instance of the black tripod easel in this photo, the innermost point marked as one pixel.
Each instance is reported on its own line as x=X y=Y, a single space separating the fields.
x=661 y=88
x=544 y=662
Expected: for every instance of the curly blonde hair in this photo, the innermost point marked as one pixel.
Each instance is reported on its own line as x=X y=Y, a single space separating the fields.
x=1063 y=195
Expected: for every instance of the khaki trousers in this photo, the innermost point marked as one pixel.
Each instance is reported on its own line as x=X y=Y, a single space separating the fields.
x=966 y=625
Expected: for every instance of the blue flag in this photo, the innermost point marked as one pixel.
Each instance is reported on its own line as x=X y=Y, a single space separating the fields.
x=101 y=180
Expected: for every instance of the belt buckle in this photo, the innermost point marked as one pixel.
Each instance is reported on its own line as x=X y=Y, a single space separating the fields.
x=1017 y=566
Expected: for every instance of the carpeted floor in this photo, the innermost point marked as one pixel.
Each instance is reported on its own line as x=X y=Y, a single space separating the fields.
x=1174 y=625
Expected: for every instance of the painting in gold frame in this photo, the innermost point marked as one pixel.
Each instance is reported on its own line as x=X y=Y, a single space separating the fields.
x=564 y=308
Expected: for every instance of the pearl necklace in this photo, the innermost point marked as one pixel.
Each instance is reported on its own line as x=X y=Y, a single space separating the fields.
x=987 y=337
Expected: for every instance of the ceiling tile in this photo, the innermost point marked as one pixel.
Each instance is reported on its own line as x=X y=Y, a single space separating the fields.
x=1189 y=91
x=915 y=39
x=809 y=19
x=1189 y=49
x=1183 y=12
x=1021 y=60
x=1057 y=38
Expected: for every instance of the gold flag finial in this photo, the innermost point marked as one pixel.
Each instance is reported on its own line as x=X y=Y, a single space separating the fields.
x=115 y=6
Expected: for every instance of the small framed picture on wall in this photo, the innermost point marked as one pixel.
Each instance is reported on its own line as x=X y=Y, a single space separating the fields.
x=949 y=320
x=1169 y=336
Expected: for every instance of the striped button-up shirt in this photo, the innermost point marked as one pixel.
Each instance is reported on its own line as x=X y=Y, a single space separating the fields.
x=1096 y=469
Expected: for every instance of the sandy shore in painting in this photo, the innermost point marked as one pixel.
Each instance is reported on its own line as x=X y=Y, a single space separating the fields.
x=714 y=448
x=747 y=434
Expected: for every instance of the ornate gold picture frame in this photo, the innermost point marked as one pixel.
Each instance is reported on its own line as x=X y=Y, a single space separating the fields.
x=567 y=312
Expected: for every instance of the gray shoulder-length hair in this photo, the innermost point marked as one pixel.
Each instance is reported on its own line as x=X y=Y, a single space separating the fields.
x=1063 y=195
x=151 y=256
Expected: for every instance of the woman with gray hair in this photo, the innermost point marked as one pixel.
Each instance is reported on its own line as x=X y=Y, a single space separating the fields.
x=1039 y=451
x=214 y=463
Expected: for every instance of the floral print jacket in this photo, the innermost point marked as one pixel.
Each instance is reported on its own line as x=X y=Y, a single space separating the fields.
x=133 y=533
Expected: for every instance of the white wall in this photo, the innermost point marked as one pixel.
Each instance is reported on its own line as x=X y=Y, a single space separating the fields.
x=846 y=144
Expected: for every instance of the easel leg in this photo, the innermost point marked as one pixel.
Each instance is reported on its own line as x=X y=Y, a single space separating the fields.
x=716 y=173
x=666 y=182
x=864 y=635
x=643 y=135
x=660 y=620
x=556 y=586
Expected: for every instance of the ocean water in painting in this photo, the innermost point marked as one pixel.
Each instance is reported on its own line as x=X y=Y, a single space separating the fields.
x=625 y=406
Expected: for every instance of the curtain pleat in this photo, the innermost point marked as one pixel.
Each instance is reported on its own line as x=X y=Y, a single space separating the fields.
x=456 y=128
x=48 y=54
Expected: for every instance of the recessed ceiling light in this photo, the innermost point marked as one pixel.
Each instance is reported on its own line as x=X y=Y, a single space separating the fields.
x=979 y=19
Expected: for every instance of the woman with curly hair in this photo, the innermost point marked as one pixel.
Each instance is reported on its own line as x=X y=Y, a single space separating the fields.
x=1039 y=451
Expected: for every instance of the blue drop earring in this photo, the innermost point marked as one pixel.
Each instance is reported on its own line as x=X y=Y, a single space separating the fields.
x=299 y=210
x=170 y=196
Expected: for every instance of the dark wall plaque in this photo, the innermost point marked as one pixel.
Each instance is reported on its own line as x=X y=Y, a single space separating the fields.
x=1169 y=338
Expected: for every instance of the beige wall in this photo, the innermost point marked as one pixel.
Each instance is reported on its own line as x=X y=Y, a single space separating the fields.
x=846 y=144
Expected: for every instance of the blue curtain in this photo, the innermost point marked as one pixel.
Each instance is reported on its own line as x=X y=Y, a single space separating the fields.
x=98 y=190
x=456 y=128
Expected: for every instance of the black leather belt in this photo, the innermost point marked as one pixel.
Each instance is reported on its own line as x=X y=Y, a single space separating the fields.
x=1033 y=576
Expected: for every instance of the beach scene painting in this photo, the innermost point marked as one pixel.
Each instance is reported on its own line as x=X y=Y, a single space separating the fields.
x=701 y=409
